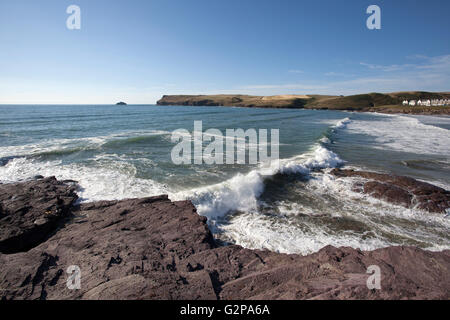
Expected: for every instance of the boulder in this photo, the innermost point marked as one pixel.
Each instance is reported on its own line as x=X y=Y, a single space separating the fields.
x=400 y=190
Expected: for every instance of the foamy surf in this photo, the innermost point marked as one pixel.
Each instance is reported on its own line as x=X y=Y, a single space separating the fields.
x=74 y=144
x=304 y=228
x=256 y=231
x=241 y=192
x=113 y=180
x=293 y=206
x=405 y=134
x=375 y=223
x=341 y=124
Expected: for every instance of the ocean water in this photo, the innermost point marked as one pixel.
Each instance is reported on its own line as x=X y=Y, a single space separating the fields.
x=118 y=152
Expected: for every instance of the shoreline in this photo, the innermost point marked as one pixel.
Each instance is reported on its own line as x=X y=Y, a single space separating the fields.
x=155 y=248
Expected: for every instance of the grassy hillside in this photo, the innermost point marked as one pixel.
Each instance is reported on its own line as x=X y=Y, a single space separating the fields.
x=388 y=102
x=365 y=102
x=356 y=102
x=287 y=101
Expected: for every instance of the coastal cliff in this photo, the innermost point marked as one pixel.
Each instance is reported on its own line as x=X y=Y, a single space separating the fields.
x=153 y=248
x=372 y=102
x=285 y=101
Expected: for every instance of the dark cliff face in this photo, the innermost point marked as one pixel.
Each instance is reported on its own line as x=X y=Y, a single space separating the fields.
x=153 y=248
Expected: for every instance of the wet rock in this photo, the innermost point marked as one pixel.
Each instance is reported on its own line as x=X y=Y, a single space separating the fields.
x=400 y=190
x=154 y=248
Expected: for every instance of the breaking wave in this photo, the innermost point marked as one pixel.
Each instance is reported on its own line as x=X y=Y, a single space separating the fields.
x=241 y=192
x=320 y=209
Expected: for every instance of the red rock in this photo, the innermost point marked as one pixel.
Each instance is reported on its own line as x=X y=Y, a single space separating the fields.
x=30 y=211
x=400 y=190
x=153 y=248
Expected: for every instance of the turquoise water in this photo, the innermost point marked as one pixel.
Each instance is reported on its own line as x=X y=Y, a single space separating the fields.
x=117 y=152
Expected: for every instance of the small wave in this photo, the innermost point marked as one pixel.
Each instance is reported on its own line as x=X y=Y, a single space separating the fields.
x=341 y=124
x=334 y=126
x=49 y=146
x=325 y=140
x=133 y=140
x=62 y=152
x=70 y=145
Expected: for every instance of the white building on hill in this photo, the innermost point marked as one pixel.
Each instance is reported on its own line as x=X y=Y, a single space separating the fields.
x=427 y=102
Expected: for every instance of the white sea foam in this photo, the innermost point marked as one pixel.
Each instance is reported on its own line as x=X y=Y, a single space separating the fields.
x=405 y=133
x=239 y=193
x=114 y=177
x=341 y=189
x=320 y=158
x=334 y=125
x=325 y=140
x=87 y=143
x=342 y=123
x=283 y=234
x=251 y=229
x=256 y=231
x=112 y=180
x=242 y=191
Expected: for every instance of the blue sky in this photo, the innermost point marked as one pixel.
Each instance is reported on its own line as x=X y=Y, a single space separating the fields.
x=136 y=51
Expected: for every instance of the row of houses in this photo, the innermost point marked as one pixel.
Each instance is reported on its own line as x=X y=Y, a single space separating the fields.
x=427 y=102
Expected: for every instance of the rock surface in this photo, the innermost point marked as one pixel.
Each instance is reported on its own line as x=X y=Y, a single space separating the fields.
x=153 y=248
x=30 y=211
x=404 y=191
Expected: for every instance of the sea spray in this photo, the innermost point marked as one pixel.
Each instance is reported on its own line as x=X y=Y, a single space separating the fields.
x=241 y=192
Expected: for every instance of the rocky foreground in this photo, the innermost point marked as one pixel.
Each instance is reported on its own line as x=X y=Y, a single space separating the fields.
x=153 y=248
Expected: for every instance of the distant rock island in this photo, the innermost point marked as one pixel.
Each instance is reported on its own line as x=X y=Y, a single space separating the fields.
x=370 y=102
x=121 y=103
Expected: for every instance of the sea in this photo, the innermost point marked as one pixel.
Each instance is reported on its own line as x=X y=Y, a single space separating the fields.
x=118 y=152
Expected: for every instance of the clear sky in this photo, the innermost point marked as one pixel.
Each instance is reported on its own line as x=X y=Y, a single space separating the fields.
x=136 y=51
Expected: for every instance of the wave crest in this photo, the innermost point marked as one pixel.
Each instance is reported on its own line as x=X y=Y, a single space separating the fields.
x=241 y=192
